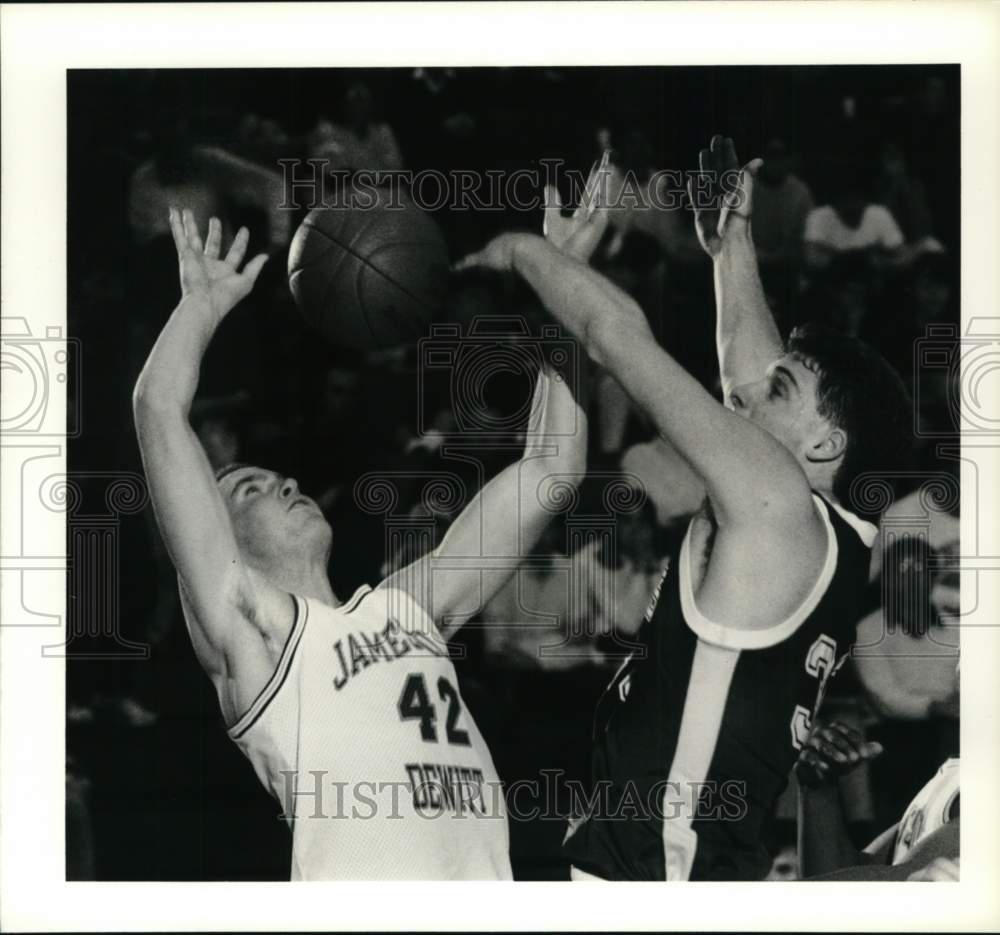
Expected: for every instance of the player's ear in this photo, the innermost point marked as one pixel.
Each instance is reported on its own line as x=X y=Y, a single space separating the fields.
x=829 y=445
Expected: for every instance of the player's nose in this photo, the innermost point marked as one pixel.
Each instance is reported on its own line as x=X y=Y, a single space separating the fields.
x=745 y=397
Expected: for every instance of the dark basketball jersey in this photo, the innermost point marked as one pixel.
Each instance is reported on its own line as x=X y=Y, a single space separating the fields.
x=696 y=736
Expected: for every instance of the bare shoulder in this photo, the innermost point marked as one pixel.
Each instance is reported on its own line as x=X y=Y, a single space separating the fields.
x=790 y=521
x=756 y=573
x=270 y=610
x=413 y=580
x=240 y=653
x=254 y=604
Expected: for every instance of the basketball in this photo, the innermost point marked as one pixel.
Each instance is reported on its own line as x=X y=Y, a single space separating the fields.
x=370 y=274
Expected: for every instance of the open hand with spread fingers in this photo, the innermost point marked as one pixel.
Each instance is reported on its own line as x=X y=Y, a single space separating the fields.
x=576 y=236
x=723 y=199
x=579 y=234
x=219 y=282
x=830 y=752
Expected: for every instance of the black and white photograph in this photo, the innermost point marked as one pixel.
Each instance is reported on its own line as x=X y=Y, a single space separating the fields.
x=426 y=467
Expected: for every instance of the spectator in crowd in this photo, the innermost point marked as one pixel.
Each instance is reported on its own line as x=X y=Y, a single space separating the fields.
x=574 y=599
x=660 y=214
x=262 y=139
x=922 y=297
x=930 y=290
x=655 y=256
x=851 y=223
x=906 y=666
x=907 y=647
x=902 y=193
x=528 y=625
x=931 y=133
x=920 y=845
x=623 y=572
x=549 y=637
x=209 y=181
x=841 y=295
x=781 y=204
x=80 y=855
x=358 y=141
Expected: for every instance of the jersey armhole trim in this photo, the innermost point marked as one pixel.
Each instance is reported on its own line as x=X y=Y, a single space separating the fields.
x=866 y=531
x=729 y=637
x=277 y=679
x=362 y=592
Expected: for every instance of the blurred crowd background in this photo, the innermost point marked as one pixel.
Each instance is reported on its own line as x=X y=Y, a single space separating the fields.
x=856 y=223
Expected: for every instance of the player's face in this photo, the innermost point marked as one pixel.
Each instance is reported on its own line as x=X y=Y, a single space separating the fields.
x=269 y=514
x=784 y=403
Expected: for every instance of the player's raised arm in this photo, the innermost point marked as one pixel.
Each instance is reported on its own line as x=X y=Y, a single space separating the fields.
x=747 y=338
x=501 y=526
x=747 y=471
x=189 y=509
x=505 y=520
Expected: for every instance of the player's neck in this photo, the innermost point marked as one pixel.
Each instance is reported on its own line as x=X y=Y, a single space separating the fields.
x=306 y=580
x=821 y=476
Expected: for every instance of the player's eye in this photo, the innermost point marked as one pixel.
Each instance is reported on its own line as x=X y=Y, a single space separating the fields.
x=777 y=388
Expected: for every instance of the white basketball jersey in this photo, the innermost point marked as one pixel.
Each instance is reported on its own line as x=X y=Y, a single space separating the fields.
x=933 y=807
x=363 y=738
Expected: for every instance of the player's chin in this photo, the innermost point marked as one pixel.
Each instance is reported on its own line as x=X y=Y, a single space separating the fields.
x=311 y=518
x=316 y=524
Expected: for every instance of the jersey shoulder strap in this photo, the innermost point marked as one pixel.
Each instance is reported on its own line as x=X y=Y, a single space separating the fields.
x=286 y=661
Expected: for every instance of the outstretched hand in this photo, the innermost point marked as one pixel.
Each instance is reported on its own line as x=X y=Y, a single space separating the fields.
x=203 y=274
x=576 y=236
x=497 y=255
x=830 y=752
x=724 y=203
x=579 y=234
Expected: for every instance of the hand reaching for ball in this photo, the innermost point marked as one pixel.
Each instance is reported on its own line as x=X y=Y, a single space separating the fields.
x=497 y=255
x=220 y=283
x=728 y=202
x=576 y=236
x=579 y=234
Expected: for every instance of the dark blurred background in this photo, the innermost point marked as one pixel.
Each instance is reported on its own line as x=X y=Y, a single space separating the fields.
x=856 y=221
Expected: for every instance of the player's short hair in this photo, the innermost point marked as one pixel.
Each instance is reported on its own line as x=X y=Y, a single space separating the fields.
x=636 y=538
x=859 y=392
x=228 y=469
